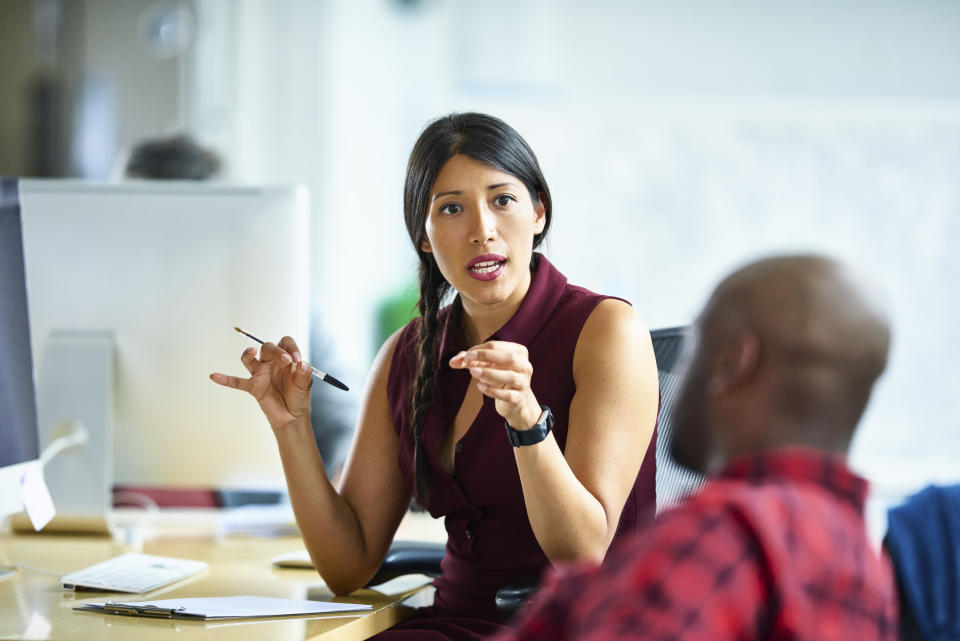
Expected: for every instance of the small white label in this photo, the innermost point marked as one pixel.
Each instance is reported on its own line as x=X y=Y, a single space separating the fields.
x=36 y=497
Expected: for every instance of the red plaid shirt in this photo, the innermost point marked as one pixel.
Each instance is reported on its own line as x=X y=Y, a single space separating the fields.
x=775 y=549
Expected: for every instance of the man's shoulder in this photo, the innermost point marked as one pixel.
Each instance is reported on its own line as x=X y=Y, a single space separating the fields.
x=717 y=496
x=723 y=510
x=742 y=506
x=712 y=514
x=728 y=493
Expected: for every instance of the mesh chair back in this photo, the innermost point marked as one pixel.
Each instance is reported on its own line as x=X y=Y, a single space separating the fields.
x=673 y=481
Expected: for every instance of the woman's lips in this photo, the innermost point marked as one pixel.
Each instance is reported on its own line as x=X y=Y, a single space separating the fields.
x=486 y=267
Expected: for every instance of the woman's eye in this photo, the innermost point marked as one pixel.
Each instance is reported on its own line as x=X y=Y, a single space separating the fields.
x=503 y=200
x=450 y=208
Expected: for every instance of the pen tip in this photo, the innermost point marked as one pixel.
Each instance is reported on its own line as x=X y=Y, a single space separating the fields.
x=333 y=381
x=238 y=329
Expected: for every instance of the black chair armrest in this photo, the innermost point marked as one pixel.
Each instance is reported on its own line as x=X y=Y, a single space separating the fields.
x=418 y=557
x=513 y=597
x=409 y=557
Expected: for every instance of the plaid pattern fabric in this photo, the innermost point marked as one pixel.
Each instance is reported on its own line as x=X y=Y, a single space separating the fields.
x=774 y=549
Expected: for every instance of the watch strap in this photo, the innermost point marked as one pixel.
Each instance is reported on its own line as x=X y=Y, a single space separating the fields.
x=535 y=434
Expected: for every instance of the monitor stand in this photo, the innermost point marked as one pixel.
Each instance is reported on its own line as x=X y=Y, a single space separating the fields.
x=75 y=396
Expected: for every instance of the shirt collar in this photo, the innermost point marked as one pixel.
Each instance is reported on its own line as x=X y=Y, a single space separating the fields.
x=802 y=465
x=546 y=287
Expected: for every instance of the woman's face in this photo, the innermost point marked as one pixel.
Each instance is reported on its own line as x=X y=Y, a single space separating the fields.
x=479 y=227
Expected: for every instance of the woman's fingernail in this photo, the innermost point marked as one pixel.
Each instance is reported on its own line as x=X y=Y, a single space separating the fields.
x=476 y=371
x=471 y=356
x=303 y=366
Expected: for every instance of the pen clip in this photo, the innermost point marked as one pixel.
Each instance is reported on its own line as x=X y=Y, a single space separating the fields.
x=115 y=607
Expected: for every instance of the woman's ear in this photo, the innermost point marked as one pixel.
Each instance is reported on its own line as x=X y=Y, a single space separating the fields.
x=425 y=245
x=540 y=215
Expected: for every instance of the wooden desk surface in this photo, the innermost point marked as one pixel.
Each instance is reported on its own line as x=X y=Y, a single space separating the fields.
x=34 y=606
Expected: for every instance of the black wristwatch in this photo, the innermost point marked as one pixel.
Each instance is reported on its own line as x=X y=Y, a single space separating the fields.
x=533 y=435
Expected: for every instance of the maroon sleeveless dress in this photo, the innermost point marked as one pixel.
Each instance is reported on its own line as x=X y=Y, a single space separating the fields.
x=490 y=542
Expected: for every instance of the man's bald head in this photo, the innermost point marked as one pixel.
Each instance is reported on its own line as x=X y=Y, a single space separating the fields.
x=787 y=352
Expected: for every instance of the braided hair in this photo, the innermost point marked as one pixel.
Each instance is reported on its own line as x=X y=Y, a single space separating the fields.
x=493 y=142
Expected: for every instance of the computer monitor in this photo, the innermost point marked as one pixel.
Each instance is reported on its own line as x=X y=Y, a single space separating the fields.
x=19 y=444
x=170 y=269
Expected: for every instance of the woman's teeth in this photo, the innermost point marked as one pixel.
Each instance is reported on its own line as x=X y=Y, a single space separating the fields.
x=485 y=267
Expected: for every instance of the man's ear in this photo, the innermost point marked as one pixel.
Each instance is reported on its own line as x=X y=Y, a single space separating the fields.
x=736 y=364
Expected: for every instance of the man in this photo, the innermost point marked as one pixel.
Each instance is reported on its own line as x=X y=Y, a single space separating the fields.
x=783 y=360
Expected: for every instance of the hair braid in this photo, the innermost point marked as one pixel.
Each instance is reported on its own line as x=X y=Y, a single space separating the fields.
x=433 y=287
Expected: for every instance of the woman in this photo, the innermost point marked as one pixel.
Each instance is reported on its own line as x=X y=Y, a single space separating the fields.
x=516 y=340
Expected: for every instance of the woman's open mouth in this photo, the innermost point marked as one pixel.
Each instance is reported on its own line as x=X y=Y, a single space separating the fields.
x=486 y=267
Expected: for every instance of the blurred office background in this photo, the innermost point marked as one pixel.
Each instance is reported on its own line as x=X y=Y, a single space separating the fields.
x=680 y=139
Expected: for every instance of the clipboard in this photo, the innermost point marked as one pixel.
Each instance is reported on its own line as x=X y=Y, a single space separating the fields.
x=229 y=607
x=149 y=610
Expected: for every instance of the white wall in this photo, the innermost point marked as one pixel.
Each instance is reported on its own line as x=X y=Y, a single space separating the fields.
x=679 y=139
x=118 y=92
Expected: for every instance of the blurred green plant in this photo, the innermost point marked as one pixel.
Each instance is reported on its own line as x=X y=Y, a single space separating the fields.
x=394 y=312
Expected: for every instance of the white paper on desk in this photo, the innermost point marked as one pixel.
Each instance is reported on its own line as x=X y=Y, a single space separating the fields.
x=401 y=584
x=240 y=607
x=36 y=497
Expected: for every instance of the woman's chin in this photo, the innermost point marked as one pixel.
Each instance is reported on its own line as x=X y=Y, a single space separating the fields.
x=484 y=293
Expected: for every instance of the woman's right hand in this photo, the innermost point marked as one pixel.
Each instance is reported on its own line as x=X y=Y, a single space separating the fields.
x=280 y=381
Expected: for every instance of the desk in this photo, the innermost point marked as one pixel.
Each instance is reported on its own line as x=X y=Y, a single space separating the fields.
x=34 y=606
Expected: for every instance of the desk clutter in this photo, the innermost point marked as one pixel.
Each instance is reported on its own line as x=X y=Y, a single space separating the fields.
x=132 y=572
x=230 y=607
x=274 y=603
x=238 y=565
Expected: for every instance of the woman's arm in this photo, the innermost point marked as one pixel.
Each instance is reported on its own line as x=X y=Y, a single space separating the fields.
x=347 y=532
x=574 y=500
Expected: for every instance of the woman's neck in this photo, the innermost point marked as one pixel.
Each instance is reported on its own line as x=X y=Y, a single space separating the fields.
x=480 y=321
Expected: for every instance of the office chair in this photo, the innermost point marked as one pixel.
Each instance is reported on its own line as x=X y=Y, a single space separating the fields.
x=409 y=557
x=673 y=483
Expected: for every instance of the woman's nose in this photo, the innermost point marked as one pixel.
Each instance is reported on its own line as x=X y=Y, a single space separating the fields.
x=483 y=228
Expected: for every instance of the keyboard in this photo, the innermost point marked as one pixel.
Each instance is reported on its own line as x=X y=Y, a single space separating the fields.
x=132 y=572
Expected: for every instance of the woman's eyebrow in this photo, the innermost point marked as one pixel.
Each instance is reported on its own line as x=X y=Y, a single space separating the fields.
x=457 y=192
x=445 y=193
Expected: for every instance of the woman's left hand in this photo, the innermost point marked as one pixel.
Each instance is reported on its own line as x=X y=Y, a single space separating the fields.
x=502 y=371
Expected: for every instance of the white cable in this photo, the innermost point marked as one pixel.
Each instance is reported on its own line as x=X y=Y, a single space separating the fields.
x=78 y=435
x=31 y=568
x=138 y=498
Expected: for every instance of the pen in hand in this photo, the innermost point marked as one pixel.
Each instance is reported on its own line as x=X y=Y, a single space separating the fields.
x=323 y=376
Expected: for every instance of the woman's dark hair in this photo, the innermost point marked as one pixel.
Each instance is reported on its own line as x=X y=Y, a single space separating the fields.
x=492 y=142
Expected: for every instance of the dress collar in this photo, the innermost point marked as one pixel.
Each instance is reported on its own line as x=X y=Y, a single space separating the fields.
x=546 y=287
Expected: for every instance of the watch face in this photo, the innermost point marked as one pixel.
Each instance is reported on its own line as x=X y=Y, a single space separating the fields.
x=533 y=435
